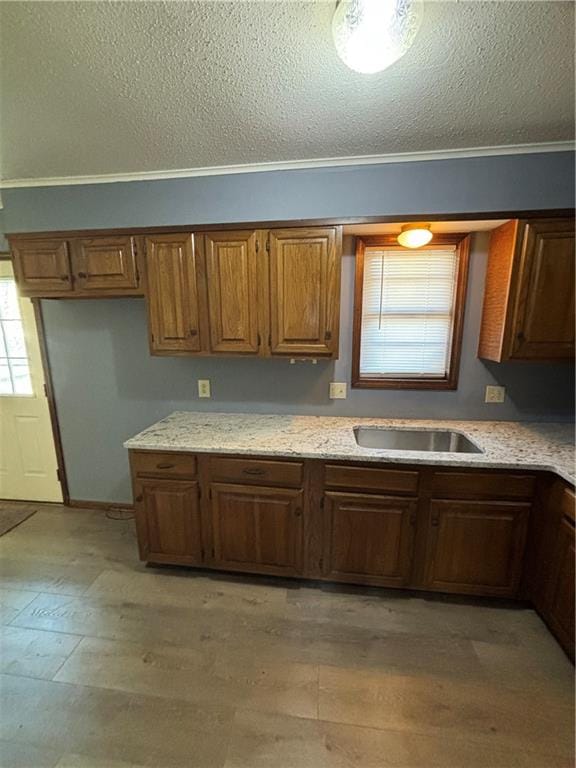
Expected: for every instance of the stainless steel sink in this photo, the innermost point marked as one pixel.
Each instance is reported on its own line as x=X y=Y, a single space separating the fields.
x=400 y=439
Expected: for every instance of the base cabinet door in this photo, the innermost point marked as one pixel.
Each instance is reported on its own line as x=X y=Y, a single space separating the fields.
x=168 y=520
x=257 y=529
x=561 y=597
x=476 y=547
x=368 y=539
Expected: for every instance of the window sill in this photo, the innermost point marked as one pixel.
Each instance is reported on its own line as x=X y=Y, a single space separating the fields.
x=430 y=384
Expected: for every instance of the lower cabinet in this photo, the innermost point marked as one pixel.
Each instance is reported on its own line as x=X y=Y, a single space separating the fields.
x=257 y=529
x=562 y=594
x=476 y=547
x=168 y=520
x=368 y=538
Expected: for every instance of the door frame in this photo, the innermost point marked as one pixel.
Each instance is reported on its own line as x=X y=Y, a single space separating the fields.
x=49 y=393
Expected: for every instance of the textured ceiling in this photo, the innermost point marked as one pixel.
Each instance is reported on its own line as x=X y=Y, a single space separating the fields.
x=99 y=87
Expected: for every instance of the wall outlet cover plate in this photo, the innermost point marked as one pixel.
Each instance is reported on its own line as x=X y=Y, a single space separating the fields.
x=495 y=394
x=337 y=390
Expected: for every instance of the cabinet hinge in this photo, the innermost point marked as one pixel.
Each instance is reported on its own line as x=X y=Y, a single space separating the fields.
x=202 y=552
x=59 y=475
x=45 y=388
x=210 y=493
x=257 y=246
x=268 y=245
x=321 y=563
x=322 y=503
x=269 y=339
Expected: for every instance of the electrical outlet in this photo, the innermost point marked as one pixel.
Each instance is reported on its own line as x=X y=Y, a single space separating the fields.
x=495 y=394
x=337 y=390
x=203 y=387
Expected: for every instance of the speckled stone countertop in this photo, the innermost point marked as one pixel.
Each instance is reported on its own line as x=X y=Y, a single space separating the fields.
x=505 y=444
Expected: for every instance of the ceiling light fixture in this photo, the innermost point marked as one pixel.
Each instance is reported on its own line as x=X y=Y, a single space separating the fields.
x=415 y=235
x=370 y=35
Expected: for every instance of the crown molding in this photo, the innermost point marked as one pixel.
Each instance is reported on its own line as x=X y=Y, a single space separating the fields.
x=291 y=165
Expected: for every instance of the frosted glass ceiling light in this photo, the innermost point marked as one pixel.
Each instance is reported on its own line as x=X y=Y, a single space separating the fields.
x=415 y=235
x=370 y=35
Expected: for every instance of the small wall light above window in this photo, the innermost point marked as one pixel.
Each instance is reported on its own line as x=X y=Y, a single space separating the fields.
x=370 y=35
x=415 y=235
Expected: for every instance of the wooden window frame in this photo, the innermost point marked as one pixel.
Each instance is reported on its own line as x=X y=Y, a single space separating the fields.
x=450 y=381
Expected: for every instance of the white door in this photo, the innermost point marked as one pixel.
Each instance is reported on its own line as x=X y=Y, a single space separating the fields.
x=27 y=454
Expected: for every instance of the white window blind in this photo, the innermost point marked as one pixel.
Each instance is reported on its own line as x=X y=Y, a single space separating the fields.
x=407 y=312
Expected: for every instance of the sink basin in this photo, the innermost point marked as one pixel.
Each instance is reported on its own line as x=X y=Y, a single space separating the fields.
x=400 y=439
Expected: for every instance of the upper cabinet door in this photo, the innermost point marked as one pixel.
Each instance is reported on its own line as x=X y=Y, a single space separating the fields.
x=105 y=264
x=528 y=311
x=232 y=277
x=173 y=313
x=544 y=318
x=305 y=291
x=42 y=267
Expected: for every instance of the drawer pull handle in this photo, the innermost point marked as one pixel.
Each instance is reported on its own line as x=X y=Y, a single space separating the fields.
x=165 y=466
x=254 y=471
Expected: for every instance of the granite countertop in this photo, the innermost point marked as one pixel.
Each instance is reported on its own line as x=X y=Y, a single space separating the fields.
x=506 y=444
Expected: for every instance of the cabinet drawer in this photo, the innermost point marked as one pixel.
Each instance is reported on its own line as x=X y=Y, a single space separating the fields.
x=482 y=485
x=369 y=479
x=148 y=464
x=258 y=472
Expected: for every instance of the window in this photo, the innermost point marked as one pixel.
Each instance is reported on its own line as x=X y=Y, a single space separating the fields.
x=409 y=309
x=14 y=368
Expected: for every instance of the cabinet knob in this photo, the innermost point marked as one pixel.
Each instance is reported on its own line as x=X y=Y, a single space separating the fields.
x=193 y=332
x=520 y=336
x=327 y=335
x=298 y=512
x=81 y=275
x=138 y=498
x=434 y=522
x=65 y=278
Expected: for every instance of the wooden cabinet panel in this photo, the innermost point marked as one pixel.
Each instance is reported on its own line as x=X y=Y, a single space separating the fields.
x=168 y=520
x=257 y=471
x=528 y=309
x=232 y=278
x=174 y=465
x=562 y=593
x=42 y=267
x=476 y=547
x=544 y=320
x=257 y=529
x=173 y=296
x=305 y=291
x=105 y=264
x=482 y=485
x=368 y=539
x=372 y=479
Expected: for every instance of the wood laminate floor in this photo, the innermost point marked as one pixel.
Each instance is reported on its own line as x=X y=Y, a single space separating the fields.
x=107 y=664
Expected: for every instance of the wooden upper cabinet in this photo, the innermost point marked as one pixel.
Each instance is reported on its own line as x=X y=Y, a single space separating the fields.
x=529 y=294
x=476 y=547
x=173 y=295
x=305 y=291
x=42 y=267
x=232 y=274
x=103 y=264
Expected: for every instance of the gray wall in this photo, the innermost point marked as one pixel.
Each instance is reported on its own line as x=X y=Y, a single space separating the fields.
x=108 y=386
x=502 y=183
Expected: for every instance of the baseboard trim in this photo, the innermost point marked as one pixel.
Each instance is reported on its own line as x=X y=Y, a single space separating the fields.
x=105 y=506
